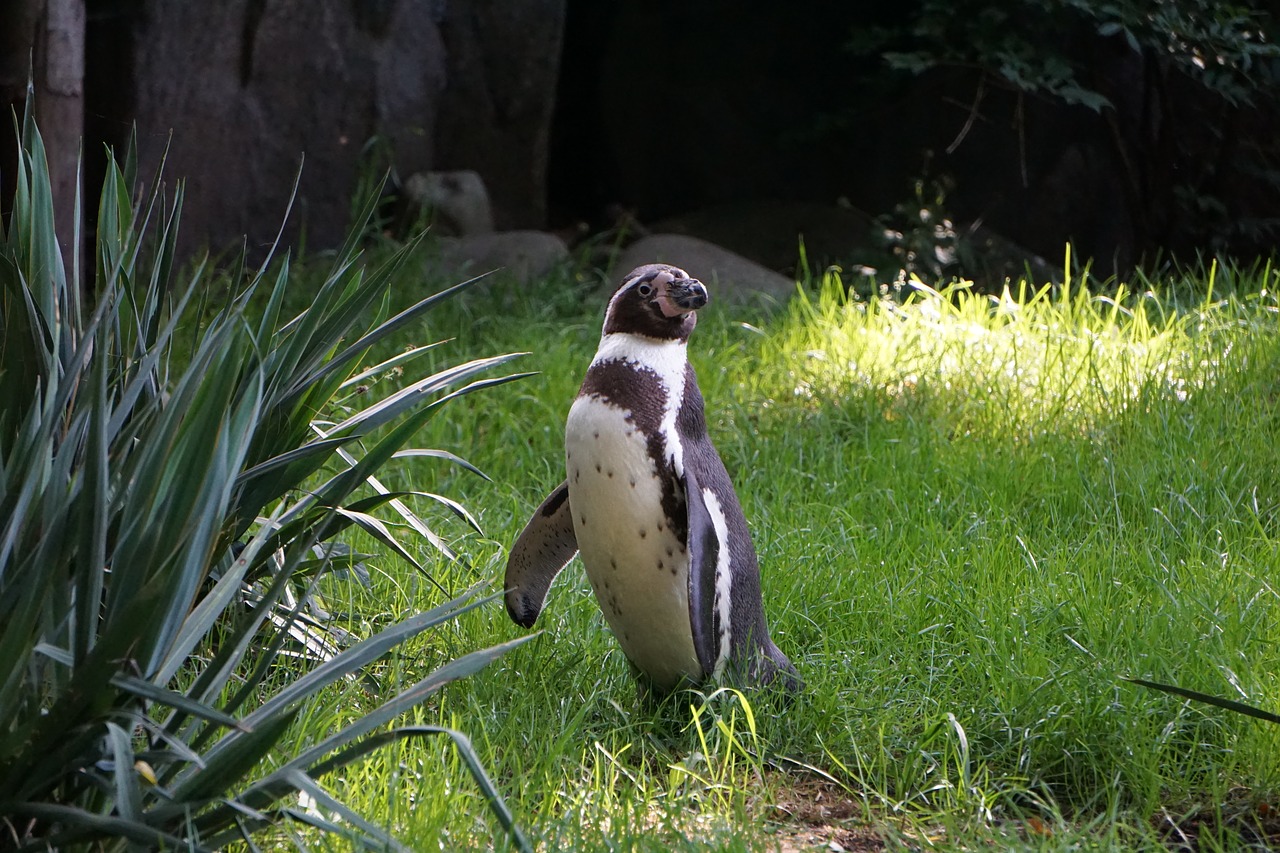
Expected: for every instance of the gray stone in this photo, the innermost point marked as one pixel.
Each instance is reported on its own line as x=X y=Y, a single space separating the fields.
x=523 y=256
x=238 y=92
x=730 y=277
x=495 y=117
x=456 y=203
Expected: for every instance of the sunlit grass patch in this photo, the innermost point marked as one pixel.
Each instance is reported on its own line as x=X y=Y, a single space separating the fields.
x=1009 y=366
x=975 y=516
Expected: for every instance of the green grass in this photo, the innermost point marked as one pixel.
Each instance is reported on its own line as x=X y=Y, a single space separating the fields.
x=974 y=517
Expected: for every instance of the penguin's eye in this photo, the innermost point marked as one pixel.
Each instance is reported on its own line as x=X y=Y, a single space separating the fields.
x=644 y=289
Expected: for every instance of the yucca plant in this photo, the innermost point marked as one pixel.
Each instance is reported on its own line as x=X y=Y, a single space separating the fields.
x=155 y=510
x=1209 y=699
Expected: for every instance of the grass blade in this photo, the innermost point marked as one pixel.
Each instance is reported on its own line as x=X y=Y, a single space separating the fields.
x=463 y=744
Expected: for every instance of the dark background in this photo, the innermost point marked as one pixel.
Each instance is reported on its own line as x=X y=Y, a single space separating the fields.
x=1137 y=131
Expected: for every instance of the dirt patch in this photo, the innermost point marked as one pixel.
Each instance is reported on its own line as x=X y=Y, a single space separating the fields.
x=818 y=814
x=863 y=840
x=812 y=813
x=1256 y=823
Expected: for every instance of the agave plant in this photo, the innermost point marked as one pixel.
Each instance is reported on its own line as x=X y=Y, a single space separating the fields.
x=155 y=511
x=1208 y=699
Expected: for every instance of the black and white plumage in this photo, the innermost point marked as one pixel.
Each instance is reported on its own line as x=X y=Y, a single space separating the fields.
x=650 y=506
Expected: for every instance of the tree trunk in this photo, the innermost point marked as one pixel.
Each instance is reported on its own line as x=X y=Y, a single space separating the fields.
x=42 y=42
x=17 y=39
x=59 y=93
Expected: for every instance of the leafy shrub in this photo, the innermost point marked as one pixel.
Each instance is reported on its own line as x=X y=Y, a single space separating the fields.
x=1180 y=95
x=154 y=518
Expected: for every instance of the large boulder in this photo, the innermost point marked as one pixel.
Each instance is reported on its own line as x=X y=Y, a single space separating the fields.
x=731 y=278
x=453 y=203
x=522 y=256
x=237 y=92
x=772 y=233
x=503 y=62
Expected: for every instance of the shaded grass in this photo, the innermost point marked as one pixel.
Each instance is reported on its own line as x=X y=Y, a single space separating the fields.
x=974 y=516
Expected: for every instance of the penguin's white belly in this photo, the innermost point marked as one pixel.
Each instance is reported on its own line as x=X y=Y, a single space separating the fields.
x=637 y=566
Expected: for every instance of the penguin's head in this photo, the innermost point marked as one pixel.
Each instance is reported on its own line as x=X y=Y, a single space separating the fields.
x=657 y=301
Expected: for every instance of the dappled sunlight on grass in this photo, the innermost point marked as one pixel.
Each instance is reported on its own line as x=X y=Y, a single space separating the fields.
x=1005 y=367
x=974 y=516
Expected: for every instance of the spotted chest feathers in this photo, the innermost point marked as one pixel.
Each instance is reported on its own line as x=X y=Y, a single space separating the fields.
x=624 y=466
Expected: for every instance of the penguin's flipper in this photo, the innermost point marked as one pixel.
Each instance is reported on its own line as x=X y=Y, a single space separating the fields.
x=544 y=547
x=704 y=555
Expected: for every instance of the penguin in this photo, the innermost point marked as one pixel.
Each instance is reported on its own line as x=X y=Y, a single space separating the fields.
x=649 y=505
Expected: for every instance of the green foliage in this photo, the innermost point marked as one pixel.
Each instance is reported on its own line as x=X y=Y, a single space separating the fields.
x=919 y=233
x=727 y=761
x=1011 y=365
x=1182 y=95
x=1227 y=48
x=975 y=515
x=158 y=513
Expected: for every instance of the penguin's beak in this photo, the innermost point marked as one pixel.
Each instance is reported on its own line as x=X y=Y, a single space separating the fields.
x=688 y=294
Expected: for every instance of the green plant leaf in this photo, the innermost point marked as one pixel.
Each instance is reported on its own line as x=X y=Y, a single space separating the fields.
x=463 y=744
x=131 y=472
x=127 y=794
x=1228 y=704
x=384 y=366
x=462 y=667
x=146 y=690
x=235 y=756
x=377 y=839
x=411 y=397
x=81 y=826
x=442 y=454
x=365 y=652
x=211 y=608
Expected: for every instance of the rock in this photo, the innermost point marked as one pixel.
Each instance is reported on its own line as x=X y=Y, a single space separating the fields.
x=991 y=258
x=237 y=92
x=771 y=232
x=730 y=277
x=524 y=256
x=456 y=203
x=502 y=64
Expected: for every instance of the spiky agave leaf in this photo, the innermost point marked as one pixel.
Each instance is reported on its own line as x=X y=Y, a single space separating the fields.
x=1209 y=699
x=135 y=648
